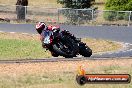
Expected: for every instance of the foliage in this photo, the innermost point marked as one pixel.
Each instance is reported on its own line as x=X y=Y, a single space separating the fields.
x=76 y=16
x=118 y=5
x=22 y=2
x=76 y=4
x=110 y=16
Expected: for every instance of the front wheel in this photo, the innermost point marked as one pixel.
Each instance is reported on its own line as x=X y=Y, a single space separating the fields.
x=54 y=54
x=67 y=48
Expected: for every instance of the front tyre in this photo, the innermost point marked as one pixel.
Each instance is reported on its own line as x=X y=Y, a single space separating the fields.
x=54 y=54
x=66 y=48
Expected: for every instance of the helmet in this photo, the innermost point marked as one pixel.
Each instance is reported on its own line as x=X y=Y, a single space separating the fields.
x=40 y=26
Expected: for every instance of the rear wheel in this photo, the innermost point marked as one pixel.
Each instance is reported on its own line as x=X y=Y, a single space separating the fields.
x=84 y=50
x=66 y=48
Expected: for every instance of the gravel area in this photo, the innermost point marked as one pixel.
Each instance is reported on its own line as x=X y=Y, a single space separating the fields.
x=61 y=66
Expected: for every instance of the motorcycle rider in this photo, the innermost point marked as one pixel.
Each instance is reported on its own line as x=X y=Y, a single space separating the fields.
x=41 y=28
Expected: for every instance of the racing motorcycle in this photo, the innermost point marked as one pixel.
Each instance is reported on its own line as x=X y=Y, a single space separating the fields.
x=65 y=44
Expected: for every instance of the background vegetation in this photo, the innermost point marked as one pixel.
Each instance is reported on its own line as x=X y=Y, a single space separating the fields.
x=76 y=4
x=118 y=5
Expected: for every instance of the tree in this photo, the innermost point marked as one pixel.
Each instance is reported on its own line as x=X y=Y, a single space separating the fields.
x=117 y=5
x=76 y=4
x=74 y=15
x=21 y=9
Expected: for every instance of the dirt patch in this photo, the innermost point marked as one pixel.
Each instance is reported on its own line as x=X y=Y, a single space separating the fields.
x=61 y=74
x=57 y=67
x=99 y=45
x=6 y=35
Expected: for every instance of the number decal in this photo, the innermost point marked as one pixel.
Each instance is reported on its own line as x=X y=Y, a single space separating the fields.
x=47 y=40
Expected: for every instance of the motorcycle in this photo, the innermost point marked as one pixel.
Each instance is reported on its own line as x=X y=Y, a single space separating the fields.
x=65 y=44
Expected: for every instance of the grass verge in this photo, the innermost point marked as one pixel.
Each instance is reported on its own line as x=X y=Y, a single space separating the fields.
x=21 y=49
x=25 y=46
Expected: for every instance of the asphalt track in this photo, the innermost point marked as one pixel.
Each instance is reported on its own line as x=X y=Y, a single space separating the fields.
x=114 y=33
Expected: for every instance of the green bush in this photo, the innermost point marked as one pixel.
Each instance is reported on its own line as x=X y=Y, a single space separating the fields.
x=118 y=5
x=110 y=16
x=120 y=16
x=126 y=16
x=113 y=15
x=76 y=16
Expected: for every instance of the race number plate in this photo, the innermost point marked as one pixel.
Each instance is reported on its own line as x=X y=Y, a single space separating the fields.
x=47 y=40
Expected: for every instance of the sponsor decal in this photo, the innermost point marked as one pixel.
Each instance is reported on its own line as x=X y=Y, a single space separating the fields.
x=83 y=78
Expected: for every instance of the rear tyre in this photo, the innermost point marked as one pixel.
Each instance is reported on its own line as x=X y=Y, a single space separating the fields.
x=84 y=50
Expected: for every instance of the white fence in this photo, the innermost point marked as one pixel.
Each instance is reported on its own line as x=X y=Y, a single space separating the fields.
x=64 y=15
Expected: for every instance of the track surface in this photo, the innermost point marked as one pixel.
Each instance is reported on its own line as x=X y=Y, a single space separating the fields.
x=120 y=34
x=53 y=60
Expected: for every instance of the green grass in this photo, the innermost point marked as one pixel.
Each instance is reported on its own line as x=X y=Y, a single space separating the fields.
x=31 y=49
x=27 y=46
x=21 y=49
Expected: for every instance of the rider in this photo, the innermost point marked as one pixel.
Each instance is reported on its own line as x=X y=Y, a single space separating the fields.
x=41 y=28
